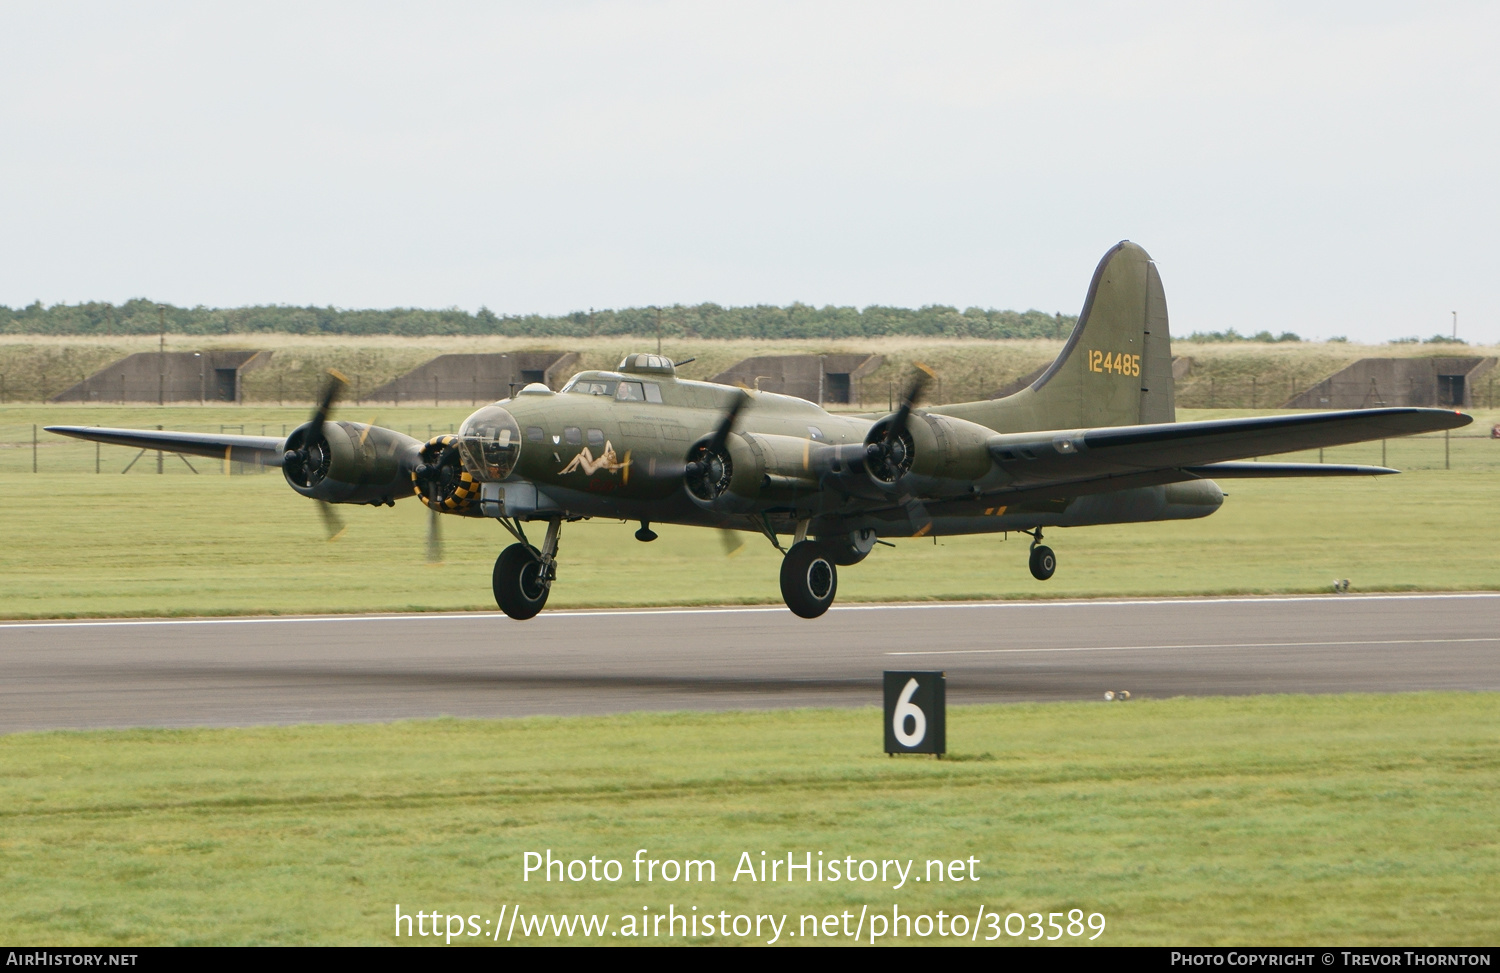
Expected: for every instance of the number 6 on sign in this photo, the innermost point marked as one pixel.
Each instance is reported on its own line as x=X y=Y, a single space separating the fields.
x=915 y=712
x=906 y=711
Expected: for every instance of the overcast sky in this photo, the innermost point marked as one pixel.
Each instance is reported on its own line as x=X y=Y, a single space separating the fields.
x=1322 y=168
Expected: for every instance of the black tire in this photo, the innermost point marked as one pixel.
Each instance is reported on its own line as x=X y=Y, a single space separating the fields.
x=1043 y=562
x=809 y=579
x=519 y=590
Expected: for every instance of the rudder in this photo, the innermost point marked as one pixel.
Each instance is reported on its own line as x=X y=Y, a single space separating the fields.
x=1114 y=370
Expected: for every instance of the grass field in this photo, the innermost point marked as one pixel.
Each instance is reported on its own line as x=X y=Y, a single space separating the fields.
x=1348 y=819
x=79 y=544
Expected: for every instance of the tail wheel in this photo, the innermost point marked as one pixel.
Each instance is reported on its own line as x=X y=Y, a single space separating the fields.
x=520 y=588
x=809 y=579
x=1043 y=562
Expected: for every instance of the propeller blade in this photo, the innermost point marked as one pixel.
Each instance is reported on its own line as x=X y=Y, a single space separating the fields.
x=434 y=537
x=918 y=515
x=726 y=424
x=331 y=520
x=336 y=379
x=909 y=396
x=732 y=541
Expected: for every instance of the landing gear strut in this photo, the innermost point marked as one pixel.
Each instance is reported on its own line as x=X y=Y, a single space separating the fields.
x=524 y=575
x=1043 y=561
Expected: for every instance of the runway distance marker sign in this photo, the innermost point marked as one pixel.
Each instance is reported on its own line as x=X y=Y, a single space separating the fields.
x=916 y=712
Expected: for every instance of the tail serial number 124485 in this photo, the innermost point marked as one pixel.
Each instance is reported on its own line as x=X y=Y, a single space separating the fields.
x=1114 y=363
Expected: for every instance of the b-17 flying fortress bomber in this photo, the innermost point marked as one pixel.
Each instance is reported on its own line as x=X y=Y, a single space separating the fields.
x=1094 y=440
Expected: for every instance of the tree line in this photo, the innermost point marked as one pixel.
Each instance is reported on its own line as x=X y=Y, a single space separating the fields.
x=141 y=316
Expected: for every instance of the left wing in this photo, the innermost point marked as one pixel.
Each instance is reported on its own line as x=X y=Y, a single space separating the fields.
x=266 y=450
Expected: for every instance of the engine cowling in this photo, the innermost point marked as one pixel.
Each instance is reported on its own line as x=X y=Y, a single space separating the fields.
x=440 y=480
x=347 y=462
x=934 y=455
x=750 y=468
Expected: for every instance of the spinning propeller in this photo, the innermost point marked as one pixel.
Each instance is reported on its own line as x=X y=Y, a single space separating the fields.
x=890 y=457
x=437 y=476
x=709 y=469
x=307 y=458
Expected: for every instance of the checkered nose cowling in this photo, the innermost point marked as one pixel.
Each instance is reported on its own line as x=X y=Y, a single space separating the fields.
x=440 y=478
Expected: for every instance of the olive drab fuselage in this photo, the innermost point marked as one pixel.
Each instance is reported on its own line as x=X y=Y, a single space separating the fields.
x=612 y=444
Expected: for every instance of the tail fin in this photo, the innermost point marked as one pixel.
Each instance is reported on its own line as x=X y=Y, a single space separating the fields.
x=1115 y=370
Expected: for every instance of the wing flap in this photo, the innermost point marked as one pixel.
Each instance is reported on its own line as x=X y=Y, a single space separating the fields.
x=266 y=450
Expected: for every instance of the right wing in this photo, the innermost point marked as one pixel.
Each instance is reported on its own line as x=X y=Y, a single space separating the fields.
x=1059 y=456
x=265 y=450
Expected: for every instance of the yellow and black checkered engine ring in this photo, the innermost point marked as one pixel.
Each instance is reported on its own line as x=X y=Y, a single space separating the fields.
x=462 y=491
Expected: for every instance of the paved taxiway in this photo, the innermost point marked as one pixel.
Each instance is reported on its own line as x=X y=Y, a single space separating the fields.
x=230 y=672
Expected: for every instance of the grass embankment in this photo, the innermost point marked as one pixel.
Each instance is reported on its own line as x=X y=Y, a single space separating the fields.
x=1234 y=373
x=1356 y=819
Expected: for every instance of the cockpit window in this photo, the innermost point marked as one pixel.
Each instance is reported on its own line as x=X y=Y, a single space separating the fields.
x=630 y=392
x=535 y=433
x=591 y=387
x=573 y=435
x=653 y=392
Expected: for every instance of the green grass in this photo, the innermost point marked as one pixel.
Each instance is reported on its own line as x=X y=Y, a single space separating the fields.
x=1356 y=819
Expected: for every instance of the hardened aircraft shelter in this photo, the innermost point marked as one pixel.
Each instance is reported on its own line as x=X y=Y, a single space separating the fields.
x=824 y=379
x=1425 y=382
x=477 y=377
x=171 y=376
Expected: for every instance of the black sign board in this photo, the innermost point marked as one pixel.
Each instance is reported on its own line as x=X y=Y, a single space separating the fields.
x=916 y=712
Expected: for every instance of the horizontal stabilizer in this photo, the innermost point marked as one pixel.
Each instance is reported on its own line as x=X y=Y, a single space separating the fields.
x=1252 y=471
x=265 y=450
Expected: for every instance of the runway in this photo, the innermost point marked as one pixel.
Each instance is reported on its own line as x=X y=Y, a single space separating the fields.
x=245 y=671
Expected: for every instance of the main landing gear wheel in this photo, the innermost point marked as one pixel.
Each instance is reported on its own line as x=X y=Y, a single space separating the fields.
x=809 y=579
x=1043 y=562
x=520 y=588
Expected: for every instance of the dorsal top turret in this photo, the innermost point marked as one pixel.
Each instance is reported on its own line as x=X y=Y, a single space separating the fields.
x=648 y=364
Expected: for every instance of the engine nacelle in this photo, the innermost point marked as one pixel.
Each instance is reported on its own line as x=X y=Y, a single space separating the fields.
x=934 y=456
x=750 y=468
x=347 y=462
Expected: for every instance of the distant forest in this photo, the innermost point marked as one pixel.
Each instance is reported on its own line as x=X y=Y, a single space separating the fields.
x=695 y=321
